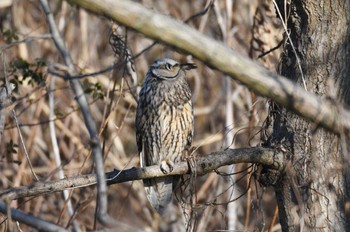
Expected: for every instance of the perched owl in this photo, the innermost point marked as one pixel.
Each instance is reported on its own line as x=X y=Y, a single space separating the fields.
x=164 y=126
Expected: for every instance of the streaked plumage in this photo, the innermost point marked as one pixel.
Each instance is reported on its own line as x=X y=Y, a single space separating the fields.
x=164 y=125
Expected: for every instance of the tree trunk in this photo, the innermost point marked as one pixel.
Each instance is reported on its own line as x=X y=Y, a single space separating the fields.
x=311 y=195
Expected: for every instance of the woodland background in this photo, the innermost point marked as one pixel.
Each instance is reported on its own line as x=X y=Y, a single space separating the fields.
x=224 y=116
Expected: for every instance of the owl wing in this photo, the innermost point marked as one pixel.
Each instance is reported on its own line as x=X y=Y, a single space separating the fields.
x=146 y=127
x=158 y=190
x=142 y=148
x=139 y=124
x=191 y=127
x=188 y=112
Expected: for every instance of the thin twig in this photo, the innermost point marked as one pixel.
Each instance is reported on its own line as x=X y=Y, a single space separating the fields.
x=225 y=23
x=291 y=43
x=56 y=151
x=233 y=173
x=24 y=145
x=203 y=12
x=214 y=202
x=25 y=40
x=272 y=49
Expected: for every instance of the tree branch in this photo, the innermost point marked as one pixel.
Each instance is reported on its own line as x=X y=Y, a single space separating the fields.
x=201 y=165
x=102 y=214
x=176 y=34
x=30 y=220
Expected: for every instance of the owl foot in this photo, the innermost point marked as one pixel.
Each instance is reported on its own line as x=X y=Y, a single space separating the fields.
x=167 y=166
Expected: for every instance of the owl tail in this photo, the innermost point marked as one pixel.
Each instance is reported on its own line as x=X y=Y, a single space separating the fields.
x=159 y=191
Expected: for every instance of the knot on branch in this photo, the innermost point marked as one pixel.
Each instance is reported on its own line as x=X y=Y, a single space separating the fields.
x=267 y=176
x=94 y=142
x=270 y=175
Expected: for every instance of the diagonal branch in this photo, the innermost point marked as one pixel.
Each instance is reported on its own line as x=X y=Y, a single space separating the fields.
x=30 y=220
x=102 y=214
x=176 y=34
x=202 y=165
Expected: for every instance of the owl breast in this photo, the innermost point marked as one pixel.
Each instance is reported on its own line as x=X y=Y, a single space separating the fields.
x=176 y=123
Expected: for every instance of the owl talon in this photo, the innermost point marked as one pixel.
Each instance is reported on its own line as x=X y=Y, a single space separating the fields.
x=167 y=166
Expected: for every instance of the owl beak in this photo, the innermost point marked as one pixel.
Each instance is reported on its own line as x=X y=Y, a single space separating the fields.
x=188 y=66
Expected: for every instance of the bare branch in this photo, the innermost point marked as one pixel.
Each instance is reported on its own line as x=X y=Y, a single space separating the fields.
x=176 y=34
x=203 y=165
x=102 y=215
x=56 y=152
x=30 y=220
x=25 y=40
x=25 y=151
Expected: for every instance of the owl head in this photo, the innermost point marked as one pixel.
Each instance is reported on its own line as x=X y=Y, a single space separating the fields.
x=168 y=69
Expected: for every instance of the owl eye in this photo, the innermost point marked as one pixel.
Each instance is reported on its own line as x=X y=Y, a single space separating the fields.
x=168 y=66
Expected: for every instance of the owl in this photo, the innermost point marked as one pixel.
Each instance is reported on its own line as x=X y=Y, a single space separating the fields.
x=164 y=126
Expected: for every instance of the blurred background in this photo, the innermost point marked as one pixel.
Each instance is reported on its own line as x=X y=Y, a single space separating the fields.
x=227 y=114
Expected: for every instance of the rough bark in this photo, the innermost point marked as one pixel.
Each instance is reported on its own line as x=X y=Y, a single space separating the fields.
x=312 y=194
